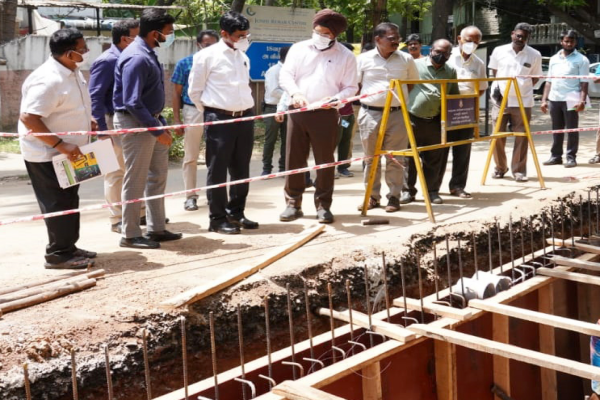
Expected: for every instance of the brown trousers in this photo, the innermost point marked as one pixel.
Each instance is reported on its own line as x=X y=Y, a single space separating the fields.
x=317 y=130
x=518 y=164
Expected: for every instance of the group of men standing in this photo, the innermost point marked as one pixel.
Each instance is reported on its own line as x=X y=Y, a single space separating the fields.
x=127 y=91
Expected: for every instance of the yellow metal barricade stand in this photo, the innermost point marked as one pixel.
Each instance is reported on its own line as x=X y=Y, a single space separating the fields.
x=413 y=151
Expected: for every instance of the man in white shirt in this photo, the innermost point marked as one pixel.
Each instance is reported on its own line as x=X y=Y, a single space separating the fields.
x=274 y=127
x=220 y=85
x=467 y=66
x=55 y=98
x=567 y=97
x=318 y=70
x=375 y=70
x=512 y=60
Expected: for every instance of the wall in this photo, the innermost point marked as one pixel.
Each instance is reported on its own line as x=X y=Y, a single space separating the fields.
x=25 y=54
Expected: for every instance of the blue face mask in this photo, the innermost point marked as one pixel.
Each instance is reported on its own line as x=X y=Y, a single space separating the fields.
x=169 y=39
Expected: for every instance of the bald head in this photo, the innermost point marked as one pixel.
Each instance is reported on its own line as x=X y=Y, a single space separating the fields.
x=440 y=52
x=443 y=44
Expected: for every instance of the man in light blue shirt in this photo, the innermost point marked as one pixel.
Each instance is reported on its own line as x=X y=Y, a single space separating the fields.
x=567 y=97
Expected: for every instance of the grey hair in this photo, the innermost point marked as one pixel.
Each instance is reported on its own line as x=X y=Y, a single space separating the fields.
x=471 y=27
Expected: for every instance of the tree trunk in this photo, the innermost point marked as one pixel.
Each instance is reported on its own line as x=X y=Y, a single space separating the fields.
x=404 y=27
x=379 y=8
x=440 y=12
x=237 y=5
x=585 y=26
x=269 y=3
x=8 y=16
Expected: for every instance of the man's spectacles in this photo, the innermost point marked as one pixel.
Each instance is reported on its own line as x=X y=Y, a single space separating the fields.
x=393 y=39
x=521 y=37
x=323 y=35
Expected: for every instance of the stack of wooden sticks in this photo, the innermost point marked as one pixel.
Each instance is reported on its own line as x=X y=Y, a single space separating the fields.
x=27 y=295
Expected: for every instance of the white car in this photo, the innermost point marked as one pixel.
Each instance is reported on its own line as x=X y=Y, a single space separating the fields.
x=593 y=88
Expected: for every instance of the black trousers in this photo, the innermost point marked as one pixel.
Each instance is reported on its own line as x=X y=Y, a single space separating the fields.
x=461 y=155
x=427 y=132
x=564 y=119
x=228 y=150
x=63 y=231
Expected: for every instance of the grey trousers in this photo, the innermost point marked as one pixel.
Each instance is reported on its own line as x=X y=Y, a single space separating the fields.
x=369 y=123
x=192 y=141
x=113 y=181
x=146 y=168
x=518 y=164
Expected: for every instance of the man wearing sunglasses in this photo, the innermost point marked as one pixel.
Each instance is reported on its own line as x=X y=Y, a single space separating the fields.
x=512 y=60
x=102 y=79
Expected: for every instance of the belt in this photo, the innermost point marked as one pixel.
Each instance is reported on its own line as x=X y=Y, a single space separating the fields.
x=128 y=113
x=227 y=112
x=366 y=107
x=425 y=118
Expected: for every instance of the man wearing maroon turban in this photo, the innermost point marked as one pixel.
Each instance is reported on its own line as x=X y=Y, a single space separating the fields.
x=319 y=70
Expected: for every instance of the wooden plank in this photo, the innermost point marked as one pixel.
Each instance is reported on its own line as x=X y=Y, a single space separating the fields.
x=235 y=276
x=579 y=246
x=46 y=281
x=445 y=370
x=537 y=316
x=22 y=293
x=293 y=390
x=371 y=382
x=47 y=296
x=433 y=308
x=509 y=351
x=500 y=334
x=385 y=328
x=574 y=262
x=547 y=342
x=570 y=276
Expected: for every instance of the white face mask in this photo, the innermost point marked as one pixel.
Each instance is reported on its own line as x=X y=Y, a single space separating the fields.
x=85 y=58
x=242 y=44
x=321 y=42
x=468 y=47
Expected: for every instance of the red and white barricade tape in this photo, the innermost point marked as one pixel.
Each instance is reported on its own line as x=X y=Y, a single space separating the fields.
x=38 y=217
x=182 y=126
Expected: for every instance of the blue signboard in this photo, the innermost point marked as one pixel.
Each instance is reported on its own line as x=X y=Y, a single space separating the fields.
x=263 y=55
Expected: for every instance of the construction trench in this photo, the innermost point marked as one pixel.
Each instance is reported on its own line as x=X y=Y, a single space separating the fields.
x=381 y=326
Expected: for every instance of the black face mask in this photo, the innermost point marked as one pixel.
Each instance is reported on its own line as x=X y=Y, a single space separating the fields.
x=439 y=59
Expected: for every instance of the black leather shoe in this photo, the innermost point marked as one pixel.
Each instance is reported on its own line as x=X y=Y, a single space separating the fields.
x=570 y=164
x=243 y=222
x=406 y=198
x=164 y=236
x=139 y=242
x=290 y=214
x=553 y=161
x=224 y=227
x=324 y=216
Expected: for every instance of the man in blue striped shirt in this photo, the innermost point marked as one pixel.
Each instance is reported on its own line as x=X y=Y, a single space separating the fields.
x=191 y=115
x=102 y=79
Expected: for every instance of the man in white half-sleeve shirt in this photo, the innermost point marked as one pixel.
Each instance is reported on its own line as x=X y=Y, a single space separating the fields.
x=220 y=85
x=316 y=70
x=468 y=66
x=56 y=99
x=375 y=70
x=510 y=60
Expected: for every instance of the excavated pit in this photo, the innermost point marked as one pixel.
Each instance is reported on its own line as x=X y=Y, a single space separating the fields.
x=571 y=216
